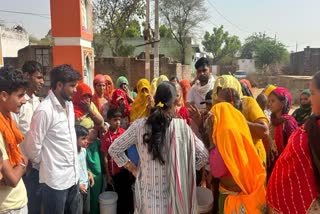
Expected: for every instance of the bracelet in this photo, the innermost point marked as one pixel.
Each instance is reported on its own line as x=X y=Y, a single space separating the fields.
x=23 y=165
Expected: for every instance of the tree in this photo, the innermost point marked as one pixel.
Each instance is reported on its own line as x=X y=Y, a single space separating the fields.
x=222 y=46
x=182 y=18
x=133 y=29
x=112 y=18
x=165 y=32
x=47 y=40
x=265 y=50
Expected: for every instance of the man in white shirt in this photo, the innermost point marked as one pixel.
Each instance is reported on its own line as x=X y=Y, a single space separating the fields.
x=52 y=143
x=34 y=74
x=205 y=82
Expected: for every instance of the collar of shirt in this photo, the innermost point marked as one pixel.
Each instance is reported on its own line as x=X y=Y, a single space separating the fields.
x=56 y=102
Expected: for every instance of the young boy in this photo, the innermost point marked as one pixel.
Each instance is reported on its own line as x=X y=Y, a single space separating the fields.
x=118 y=177
x=13 y=195
x=82 y=141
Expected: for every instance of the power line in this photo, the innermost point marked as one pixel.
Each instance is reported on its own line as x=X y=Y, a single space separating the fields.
x=27 y=13
x=225 y=18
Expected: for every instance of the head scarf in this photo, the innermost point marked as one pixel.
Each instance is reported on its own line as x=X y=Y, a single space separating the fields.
x=12 y=137
x=122 y=80
x=185 y=86
x=269 y=89
x=246 y=87
x=226 y=81
x=161 y=79
x=139 y=107
x=116 y=101
x=306 y=92
x=283 y=95
x=99 y=78
x=154 y=86
x=108 y=92
x=237 y=150
x=82 y=89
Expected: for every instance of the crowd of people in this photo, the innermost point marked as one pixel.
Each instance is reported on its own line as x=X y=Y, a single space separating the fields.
x=154 y=143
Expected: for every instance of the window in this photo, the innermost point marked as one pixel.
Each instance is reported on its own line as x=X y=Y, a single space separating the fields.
x=42 y=56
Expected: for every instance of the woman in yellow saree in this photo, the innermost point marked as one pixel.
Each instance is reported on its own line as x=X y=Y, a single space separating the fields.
x=256 y=119
x=242 y=190
x=143 y=102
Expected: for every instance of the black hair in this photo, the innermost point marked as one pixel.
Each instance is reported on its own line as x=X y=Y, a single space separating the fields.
x=202 y=62
x=63 y=73
x=174 y=78
x=12 y=79
x=230 y=95
x=313 y=131
x=159 y=120
x=81 y=131
x=245 y=90
x=113 y=112
x=31 y=67
x=262 y=101
x=1 y=155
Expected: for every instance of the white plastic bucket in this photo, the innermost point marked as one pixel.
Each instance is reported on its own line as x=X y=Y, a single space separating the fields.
x=205 y=200
x=108 y=202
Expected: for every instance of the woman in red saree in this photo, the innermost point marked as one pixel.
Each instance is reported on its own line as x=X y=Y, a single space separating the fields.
x=294 y=186
x=282 y=125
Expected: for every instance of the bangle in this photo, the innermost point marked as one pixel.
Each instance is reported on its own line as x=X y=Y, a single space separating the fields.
x=23 y=165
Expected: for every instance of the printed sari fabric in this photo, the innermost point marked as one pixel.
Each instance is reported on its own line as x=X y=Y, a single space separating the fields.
x=235 y=145
x=139 y=107
x=292 y=186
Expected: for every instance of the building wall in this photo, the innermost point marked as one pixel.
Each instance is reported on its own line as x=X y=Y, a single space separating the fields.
x=12 y=41
x=247 y=65
x=306 y=62
x=167 y=47
x=134 y=69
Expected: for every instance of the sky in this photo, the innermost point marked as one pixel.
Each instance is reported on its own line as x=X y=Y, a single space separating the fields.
x=293 y=22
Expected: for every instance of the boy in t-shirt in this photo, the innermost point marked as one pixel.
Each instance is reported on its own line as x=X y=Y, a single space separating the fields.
x=13 y=195
x=117 y=177
x=85 y=175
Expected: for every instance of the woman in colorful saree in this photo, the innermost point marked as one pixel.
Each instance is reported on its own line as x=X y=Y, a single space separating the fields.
x=119 y=100
x=99 y=98
x=143 y=102
x=236 y=162
x=256 y=119
x=123 y=83
x=294 y=185
x=109 y=86
x=169 y=155
x=282 y=124
x=86 y=113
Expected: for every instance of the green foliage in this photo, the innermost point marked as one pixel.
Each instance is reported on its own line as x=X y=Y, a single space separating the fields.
x=133 y=30
x=126 y=50
x=265 y=50
x=114 y=21
x=47 y=40
x=98 y=44
x=165 y=32
x=222 y=46
x=182 y=18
